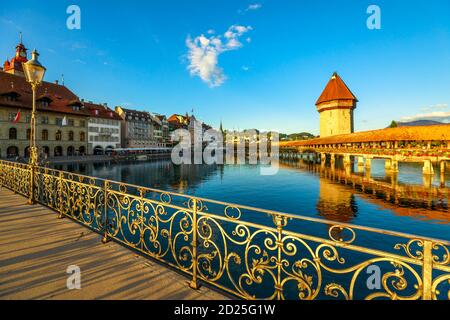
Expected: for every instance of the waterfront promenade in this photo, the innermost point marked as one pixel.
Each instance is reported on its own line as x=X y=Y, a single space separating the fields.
x=36 y=248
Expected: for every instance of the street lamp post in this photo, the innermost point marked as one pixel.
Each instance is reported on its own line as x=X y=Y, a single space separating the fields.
x=34 y=73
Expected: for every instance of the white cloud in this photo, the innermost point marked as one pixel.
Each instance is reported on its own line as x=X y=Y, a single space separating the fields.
x=254 y=6
x=436 y=107
x=429 y=113
x=204 y=53
x=251 y=7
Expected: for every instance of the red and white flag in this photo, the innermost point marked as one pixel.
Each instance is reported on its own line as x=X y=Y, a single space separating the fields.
x=17 y=118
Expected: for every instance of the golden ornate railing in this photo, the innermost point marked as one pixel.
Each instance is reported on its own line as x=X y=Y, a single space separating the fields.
x=248 y=252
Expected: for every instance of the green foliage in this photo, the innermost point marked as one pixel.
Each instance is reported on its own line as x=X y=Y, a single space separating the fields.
x=296 y=136
x=393 y=124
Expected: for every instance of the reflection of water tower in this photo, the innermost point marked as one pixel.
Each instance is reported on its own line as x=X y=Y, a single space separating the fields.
x=335 y=202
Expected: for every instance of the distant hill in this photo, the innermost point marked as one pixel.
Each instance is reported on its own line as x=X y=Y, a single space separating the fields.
x=419 y=123
x=296 y=136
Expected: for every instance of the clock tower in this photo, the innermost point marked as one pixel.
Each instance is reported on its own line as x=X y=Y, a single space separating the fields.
x=15 y=65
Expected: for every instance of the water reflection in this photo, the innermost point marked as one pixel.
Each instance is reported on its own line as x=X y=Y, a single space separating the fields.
x=385 y=187
x=337 y=206
x=161 y=174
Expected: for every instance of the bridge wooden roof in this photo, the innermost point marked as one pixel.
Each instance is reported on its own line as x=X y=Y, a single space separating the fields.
x=417 y=133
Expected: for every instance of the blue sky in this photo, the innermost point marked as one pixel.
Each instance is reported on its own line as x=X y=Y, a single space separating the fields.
x=265 y=73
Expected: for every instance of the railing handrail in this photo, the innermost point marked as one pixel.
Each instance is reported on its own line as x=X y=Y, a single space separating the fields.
x=259 y=210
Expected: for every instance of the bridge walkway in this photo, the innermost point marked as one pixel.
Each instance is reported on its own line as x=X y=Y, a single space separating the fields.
x=36 y=249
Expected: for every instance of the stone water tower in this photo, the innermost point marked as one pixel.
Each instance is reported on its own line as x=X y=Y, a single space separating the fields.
x=336 y=105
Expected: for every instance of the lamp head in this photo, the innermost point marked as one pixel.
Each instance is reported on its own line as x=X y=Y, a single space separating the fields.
x=33 y=69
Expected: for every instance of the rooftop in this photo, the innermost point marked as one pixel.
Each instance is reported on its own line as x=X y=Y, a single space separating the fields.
x=101 y=111
x=416 y=133
x=61 y=97
x=336 y=89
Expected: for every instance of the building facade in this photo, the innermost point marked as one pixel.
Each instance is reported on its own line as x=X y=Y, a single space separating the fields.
x=336 y=105
x=166 y=140
x=137 y=128
x=195 y=127
x=104 y=129
x=61 y=124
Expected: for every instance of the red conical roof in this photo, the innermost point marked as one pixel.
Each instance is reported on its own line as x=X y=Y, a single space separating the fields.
x=336 y=89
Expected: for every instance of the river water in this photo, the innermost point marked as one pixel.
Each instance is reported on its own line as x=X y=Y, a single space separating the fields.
x=297 y=188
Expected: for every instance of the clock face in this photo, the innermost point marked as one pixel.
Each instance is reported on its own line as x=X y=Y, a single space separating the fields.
x=23 y=54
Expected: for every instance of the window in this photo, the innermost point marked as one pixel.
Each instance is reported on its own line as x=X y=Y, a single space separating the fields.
x=28 y=118
x=28 y=134
x=70 y=135
x=71 y=122
x=44 y=135
x=12 y=116
x=44 y=119
x=82 y=123
x=82 y=136
x=58 y=121
x=12 y=134
x=58 y=135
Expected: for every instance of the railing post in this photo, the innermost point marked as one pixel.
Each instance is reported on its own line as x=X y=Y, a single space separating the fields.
x=105 y=238
x=280 y=222
x=1 y=174
x=31 y=198
x=60 y=191
x=194 y=283
x=427 y=270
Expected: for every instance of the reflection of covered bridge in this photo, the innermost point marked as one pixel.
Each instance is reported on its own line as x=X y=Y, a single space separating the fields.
x=426 y=144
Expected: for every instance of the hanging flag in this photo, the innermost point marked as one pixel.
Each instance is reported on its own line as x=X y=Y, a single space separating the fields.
x=64 y=122
x=17 y=117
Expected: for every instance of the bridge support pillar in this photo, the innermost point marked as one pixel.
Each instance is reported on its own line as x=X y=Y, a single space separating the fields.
x=428 y=167
x=391 y=165
x=442 y=167
x=360 y=162
x=368 y=163
x=368 y=174
x=347 y=160
x=427 y=180
x=388 y=164
x=442 y=173
x=394 y=165
x=323 y=159
x=394 y=180
x=333 y=160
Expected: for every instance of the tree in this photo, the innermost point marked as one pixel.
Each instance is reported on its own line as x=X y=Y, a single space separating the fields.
x=393 y=124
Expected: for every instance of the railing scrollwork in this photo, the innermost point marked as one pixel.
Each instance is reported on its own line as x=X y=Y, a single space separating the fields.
x=247 y=252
